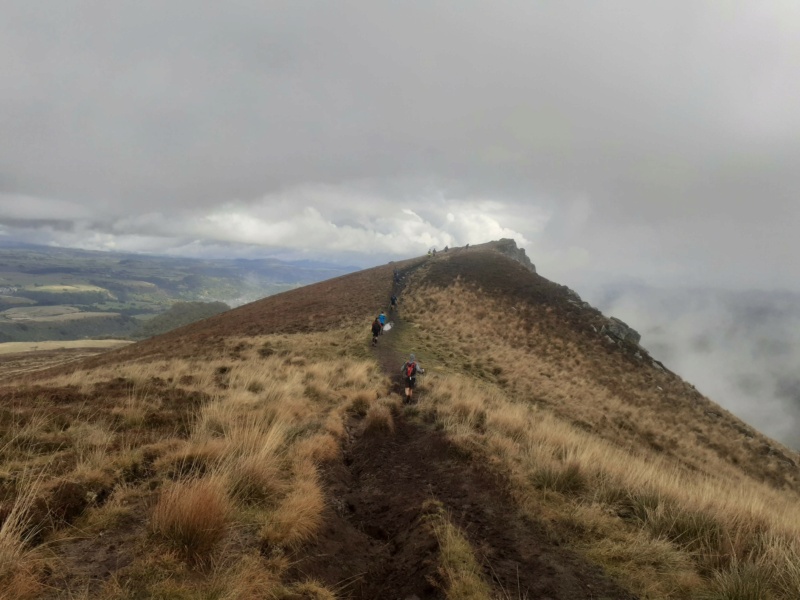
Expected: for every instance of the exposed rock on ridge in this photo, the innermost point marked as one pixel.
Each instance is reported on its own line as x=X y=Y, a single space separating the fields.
x=622 y=331
x=509 y=248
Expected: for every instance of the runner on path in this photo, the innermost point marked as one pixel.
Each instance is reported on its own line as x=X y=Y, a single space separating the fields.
x=409 y=371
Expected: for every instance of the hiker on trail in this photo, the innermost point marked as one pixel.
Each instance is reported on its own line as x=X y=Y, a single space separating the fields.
x=429 y=252
x=446 y=248
x=409 y=371
x=376 y=331
x=393 y=303
x=382 y=319
x=396 y=276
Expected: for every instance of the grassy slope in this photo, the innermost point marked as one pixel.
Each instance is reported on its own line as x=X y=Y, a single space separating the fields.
x=666 y=489
x=195 y=453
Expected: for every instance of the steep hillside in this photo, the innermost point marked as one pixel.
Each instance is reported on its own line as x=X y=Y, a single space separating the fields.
x=266 y=453
x=553 y=350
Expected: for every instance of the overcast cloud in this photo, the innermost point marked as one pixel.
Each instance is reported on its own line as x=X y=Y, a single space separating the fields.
x=653 y=142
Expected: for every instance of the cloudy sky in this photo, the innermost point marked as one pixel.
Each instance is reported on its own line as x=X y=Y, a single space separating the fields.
x=655 y=143
x=645 y=140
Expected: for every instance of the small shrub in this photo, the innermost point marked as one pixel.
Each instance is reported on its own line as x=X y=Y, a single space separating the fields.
x=192 y=516
x=320 y=448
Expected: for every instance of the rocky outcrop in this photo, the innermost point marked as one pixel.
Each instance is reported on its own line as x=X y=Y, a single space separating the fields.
x=509 y=248
x=620 y=330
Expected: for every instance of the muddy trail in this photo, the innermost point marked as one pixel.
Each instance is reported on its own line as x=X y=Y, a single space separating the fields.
x=377 y=541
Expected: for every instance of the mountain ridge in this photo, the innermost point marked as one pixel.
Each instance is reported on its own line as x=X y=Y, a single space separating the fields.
x=281 y=425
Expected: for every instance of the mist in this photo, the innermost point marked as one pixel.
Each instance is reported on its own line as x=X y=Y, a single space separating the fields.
x=739 y=348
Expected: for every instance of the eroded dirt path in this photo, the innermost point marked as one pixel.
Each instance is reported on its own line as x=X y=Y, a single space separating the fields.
x=376 y=542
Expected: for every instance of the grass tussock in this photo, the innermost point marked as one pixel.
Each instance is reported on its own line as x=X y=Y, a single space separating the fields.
x=379 y=420
x=19 y=563
x=298 y=517
x=568 y=479
x=192 y=516
x=198 y=454
x=458 y=566
x=249 y=578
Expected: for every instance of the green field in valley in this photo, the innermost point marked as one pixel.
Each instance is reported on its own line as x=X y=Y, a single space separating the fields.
x=68 y=294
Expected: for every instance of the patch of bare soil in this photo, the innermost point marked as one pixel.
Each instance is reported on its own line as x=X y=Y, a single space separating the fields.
x=377 y=544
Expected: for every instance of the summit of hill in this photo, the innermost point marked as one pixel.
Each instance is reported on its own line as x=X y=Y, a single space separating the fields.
x=267 y=451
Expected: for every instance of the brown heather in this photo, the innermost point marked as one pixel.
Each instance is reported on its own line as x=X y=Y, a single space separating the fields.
x=202 y=463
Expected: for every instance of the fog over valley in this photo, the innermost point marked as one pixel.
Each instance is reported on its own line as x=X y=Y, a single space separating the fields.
x=740 y=349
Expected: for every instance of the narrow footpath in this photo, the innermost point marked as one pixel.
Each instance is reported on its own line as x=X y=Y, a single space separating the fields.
x=376 y=542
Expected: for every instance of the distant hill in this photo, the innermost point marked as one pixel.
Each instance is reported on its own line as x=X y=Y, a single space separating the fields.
x=267 y=452
x=127 y=288
x=178 y=315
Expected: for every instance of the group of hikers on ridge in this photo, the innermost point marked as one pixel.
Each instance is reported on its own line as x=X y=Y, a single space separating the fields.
x=379 y=323
x=410 y=368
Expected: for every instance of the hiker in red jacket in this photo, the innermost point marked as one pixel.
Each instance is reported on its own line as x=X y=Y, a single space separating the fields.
x=409 y=371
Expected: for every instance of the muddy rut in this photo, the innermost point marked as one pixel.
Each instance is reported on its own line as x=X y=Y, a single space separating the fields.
x=376 y=542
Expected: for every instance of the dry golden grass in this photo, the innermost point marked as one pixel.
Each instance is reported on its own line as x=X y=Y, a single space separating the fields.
x=18 y=559
x=458 y=566
x=379 y=420
x=217 y=448
x=15 y=347
x=671 y=519
x=192 y=516
x=299 y=515
x=640 y=473
x=249 y=578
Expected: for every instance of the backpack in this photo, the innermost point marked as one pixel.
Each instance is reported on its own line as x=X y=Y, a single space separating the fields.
x=411 y=369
